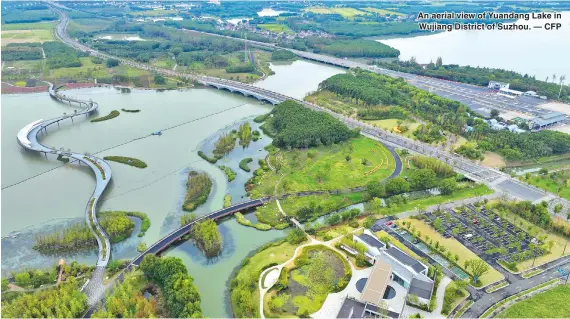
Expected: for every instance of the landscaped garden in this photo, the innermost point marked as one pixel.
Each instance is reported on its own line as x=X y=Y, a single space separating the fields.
x=304 y=284
x=353 y=163
x=244 y=292
x=554 y=182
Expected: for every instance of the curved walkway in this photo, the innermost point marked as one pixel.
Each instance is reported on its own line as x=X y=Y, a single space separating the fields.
x=28 y=137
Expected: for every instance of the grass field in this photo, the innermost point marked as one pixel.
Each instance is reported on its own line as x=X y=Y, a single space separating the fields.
x=326 y=167
x=382 y=11
x=547 y=183
x=345 y=12
x=451 y=244
x=392 y=124
x=90 y=70
x=152 y=13
x=29 y=26
x=26 y=36
x=553 y=303
x=276 y=27
x=422 y=203
x=88 y=25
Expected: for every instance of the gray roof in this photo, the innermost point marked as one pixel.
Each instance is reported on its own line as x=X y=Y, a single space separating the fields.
x=549 y=118
x=354 y=309
x=421 y=288
x=398 y=267
x=406 y=259
x=372 y=241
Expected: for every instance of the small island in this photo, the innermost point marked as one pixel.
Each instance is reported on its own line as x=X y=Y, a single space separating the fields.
x=109 y=116
x=126 y=160
x=198 y=190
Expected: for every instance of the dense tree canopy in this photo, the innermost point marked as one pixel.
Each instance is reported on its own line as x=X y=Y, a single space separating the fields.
x=381 y=90
x=181 y=296
x=298 y=126
x=207 y=237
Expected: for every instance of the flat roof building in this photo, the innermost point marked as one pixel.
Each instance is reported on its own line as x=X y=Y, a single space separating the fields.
x=547 y=120
x=495 y=85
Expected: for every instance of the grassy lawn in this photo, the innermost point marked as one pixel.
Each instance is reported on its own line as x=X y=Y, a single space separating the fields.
x=152 y=13
x=269 y=213
x=29 y=26
x=276 y=27
x=422 y=203
x=326 y=167
x=90 y=70
x=315 y=273
x=451 y=244
x=163 y=63
x=26 y=36
x=347 y=13
x=557 y=248
x=88 y=25
x=397 y=243
x=547 y=183
x=382 y=11
x=334 y=102
x=392 y=125
x=549 y=304
x=452 y=298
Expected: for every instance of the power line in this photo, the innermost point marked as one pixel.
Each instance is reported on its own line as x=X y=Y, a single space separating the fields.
x=128 y=142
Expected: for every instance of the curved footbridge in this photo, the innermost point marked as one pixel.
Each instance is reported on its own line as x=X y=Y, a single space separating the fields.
x=28 y=137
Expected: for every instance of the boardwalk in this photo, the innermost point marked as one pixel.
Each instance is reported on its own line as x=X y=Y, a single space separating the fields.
x=28 y=137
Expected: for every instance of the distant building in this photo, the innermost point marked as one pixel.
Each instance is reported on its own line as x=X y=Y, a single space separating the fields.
x=498 y=85
x=530 y=93
x=509 y=93
x=547 y=120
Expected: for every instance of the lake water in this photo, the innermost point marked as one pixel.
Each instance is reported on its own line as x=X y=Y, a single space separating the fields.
x=37 y=196
x=268 y=12
x=536 y=52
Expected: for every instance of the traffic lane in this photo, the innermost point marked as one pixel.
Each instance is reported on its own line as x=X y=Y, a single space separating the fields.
x=521 y=191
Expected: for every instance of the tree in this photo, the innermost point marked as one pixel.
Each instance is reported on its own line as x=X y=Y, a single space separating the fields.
x=348 y=158
x=23 y=279
x=494 y=113
x=112 y=63
x=376 y=189
x=207 y=237
x=478 y=268
x=438 y=62
x=448 y=186
x=421 y=179
x=397 y=185
x=558 y=208
x=543 y=171
x=296 y=236
x=159 y=79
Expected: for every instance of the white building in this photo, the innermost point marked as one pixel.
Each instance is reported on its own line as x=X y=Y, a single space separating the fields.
x=495 y=85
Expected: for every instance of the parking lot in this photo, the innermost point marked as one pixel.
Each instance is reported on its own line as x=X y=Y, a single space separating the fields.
x=486 y=234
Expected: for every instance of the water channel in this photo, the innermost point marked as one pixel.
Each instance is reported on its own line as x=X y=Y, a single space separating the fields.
x=41 y=195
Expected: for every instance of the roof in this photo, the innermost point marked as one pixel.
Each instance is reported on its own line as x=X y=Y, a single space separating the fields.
x=549 y=118
x=398 y=267
x=421 y=288
x=372 y=241
x=406 y=259
x=351 y=309
x=376 y=284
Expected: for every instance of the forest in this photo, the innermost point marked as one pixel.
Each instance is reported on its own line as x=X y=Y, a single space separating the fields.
x=22 y=51
x=181 y=296
x=198 y=190
x=481 y=76
x=376 y=90
x=207 y=237
x=34 y=13
x=537 y=214
x=60 y=55
x=340 y=47
x=63 y=301
x=300 y=127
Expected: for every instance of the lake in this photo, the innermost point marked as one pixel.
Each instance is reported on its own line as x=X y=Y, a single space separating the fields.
x=536 y=52
x=41 y=195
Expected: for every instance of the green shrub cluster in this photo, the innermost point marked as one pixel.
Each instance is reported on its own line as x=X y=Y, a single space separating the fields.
x=243 y=164
x=109 y=116
x=126 y=160
x=198 y=189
